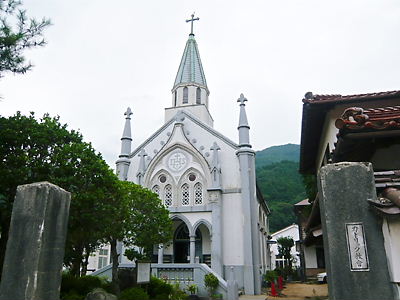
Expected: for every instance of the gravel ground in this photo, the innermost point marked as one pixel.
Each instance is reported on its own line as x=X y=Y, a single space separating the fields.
x=296 y=291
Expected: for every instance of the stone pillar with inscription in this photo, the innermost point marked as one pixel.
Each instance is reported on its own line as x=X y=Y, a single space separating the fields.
x=353 y=241
x=35 y=247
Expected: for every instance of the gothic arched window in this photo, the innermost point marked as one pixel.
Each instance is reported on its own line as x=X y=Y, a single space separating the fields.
x=156 y=189
x=185 y=95
x=185 y=194
x=168 y=195
x=198 y=96
x=198 y=193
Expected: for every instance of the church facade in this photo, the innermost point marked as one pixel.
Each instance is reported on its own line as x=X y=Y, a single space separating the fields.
x=206 y=181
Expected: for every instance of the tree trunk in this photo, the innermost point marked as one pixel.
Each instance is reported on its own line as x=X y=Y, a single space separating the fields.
x=76 y=261
x=85 y=262
x=115 y=264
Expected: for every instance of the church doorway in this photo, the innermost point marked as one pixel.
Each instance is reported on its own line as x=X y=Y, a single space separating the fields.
x=182 y=244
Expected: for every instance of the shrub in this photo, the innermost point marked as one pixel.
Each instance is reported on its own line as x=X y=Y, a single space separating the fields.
x=270 y=276
x=75 y=288
x=211 y=282
x=158 y=287
x=72 y=295
x=135 y=293
x=192 y=289
x=177 y=293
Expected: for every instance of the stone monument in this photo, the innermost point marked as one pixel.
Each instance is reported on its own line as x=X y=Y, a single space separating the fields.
x=353 y=241
x=35 y=248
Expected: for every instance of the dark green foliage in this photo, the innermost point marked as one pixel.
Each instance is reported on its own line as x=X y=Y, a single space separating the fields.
x=276 y=154
x=18 y=33
x=139 y=219
x=271 y=276
x=158 y=287
x=285 y=244
x=177 y=293
x=282 y=186
x=211 y=282
x=135 y=293
x=310 y=183
x=34 y=150
x=73 y=287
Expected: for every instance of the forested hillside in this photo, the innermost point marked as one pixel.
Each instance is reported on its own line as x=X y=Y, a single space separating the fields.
x=280 y=182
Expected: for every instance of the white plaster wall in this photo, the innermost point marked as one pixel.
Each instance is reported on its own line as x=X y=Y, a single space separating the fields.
x=94 y=258
x=391 y=233
x=169 y=249
x=232 y=229
x=290 y=231
x=206 y=243
x=310 y=256
x=156 y=143
x=200 y=111
x=193 y=217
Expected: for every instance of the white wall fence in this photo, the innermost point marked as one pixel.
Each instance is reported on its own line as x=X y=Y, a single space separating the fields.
x=187 y=274
x=183 y=274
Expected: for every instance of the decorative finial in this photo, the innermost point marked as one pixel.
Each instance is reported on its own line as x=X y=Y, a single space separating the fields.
x=192 y=20
x=242 y=99
x=128 y=113
x=215 y=147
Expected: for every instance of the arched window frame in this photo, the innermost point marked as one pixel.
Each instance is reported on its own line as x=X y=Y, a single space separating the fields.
x=196 y=183
x=185 y=98
x=198 y=95
x=156 y=182
x=168 y=195
x=198 y=194
x=156 y=189
x=185 y=195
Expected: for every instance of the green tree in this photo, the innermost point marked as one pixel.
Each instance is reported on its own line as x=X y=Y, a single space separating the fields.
x=140 y=220
x=285 y=245
x=18 y=33
x=44 y=150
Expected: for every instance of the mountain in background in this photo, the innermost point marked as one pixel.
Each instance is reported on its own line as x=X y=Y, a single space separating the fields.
x=280 y=183
x=290 y=152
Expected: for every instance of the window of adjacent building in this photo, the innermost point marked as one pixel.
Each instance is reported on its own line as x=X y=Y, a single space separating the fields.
x=103 y=252
x=185 y=95
x=198 y=194
x=185 y=194
x=103 y=258
x=198 y=96
x=168 y=195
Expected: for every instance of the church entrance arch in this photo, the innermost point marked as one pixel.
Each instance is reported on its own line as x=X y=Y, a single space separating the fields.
x=182 y=244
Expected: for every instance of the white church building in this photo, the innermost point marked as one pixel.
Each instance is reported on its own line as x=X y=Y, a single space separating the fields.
x=206 y=181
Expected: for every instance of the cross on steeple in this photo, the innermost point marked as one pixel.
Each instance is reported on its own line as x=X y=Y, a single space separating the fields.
x=191 y=25
x=242 y=99
x=128 y=113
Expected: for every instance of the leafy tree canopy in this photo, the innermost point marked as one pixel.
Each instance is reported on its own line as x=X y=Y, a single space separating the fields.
x=18 y=33
x=139 y=220
x=44 y=150
x=285 y=244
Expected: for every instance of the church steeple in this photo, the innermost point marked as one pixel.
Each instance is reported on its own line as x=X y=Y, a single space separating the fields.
x=190 y=89
x=190 y=69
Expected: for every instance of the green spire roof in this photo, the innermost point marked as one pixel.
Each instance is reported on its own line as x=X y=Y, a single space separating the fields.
x=190 y=70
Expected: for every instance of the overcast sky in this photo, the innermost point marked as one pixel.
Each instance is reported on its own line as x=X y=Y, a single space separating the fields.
x=103 y=56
